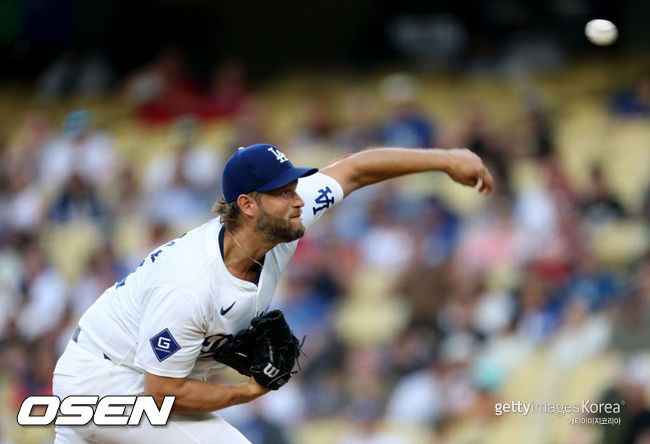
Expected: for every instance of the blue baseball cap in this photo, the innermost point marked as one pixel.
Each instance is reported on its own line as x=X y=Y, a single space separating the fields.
x=260 y=167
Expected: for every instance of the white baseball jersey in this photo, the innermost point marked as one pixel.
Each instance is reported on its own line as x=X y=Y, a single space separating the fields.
x=171 y=313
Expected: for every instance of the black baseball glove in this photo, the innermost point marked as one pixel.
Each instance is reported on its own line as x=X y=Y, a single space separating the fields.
x=267 y=350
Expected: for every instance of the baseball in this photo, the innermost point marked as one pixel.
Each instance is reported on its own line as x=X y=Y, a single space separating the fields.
x=601 y=32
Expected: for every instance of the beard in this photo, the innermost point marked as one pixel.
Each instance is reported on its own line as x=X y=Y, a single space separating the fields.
x=277 y=228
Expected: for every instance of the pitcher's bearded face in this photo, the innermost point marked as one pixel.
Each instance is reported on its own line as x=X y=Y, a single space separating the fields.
x=278 y=228
x=279 y=214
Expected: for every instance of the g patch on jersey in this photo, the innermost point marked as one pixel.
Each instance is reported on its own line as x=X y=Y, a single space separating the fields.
x=164 y=345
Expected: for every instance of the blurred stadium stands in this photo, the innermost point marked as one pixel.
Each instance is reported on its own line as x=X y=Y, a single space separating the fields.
x=423 y=304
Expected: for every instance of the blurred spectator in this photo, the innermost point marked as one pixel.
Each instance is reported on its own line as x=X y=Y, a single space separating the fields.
x=250 y=124
x=360 y=129
x=461 y=394
x=102 y=271
x=456 y=315
x=537 y=314
x=158 y=233
x=386 y=244
x=440 y=232
x=581 y=336
x=129 y=194
x=259 y=430
x=33 y=136
x=365 y=367
x=36 y=377
x=284 y=409
x=631 y=329
x=502 y=355
x=491 y=241
x=493 y=311
x=325 y=391
x=163 y=90
x=180 y=184
x=317 y=126
x=150 y=81
x=535 y=215
x=631 y=385
x=407 y=125
x=11 y=270
x=634 y=385
x=477 y=133
x=571 y=240
x=227 y=92
x=418 y=398
x=443 y=389
x=24 y=204
x=13 y=357
x=368 y=416
x=560 y=188
x=5 y=165
x=426 y=289
x=414 y=348
x=307 y=309
x=531 y=48
x=645 y=207
x=566 y=235
x=44 y=295
x=591 y=282
x=540 y=130
x=642 y=276
x=78 y=200
x=352 y=216
x=196 y=165
x=267 y=420
x=435 y=40
x=74 y=73
x=633 y=102
x=79 y=150
x=600 y=205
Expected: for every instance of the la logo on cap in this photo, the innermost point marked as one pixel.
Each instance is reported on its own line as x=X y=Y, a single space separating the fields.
x=279 y=155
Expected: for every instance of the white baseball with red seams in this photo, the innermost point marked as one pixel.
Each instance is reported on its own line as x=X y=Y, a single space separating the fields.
x=601 y=32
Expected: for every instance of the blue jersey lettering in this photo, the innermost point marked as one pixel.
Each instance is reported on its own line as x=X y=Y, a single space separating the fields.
x=153 y=257
x=323 y=199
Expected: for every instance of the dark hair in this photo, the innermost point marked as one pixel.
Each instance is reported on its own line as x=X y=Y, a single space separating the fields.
x=230 y=212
